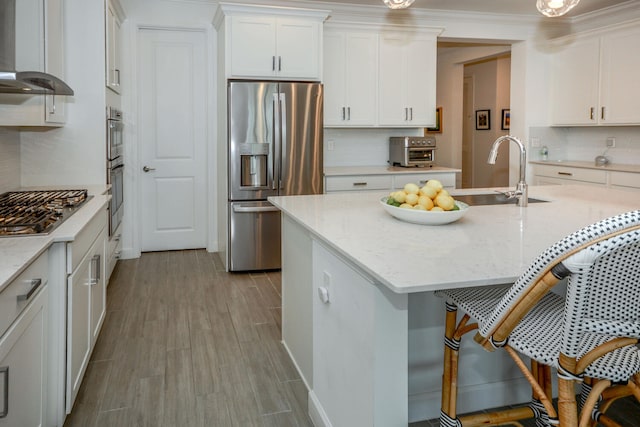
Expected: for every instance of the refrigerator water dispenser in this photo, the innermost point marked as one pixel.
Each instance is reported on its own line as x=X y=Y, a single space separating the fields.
x=254 y=170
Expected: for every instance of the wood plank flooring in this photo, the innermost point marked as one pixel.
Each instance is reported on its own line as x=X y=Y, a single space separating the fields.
x=186 y=344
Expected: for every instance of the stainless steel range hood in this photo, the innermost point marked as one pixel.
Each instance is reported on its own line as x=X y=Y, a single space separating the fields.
x=25 y=82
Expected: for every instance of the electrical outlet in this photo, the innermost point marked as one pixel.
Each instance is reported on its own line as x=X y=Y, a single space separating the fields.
x=331 y=145
x=611 y=142
x=535 y=142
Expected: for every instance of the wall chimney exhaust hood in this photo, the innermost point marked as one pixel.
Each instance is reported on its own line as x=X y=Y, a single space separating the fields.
x=24 y=82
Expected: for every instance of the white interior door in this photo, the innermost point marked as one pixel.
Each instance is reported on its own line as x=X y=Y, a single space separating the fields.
x=172 y=83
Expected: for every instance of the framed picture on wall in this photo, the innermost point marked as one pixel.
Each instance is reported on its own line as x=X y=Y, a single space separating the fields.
x=506 y=119
x=483 y=119
x=438 y=127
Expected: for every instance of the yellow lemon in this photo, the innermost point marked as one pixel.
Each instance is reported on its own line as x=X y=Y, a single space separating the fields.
x=445 y=202
x=435 y=184
x=399 y=196
x=406 y=206
x=425 y=202
x=411 y=199
x=437 y=209
x=430 y=192
x=411 y=188
x=419 y=207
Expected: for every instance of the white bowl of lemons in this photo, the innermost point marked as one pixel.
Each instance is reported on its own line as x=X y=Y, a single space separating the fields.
x=429 y=205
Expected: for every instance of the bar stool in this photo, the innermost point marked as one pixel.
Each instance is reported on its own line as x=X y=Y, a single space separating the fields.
x=589 y=336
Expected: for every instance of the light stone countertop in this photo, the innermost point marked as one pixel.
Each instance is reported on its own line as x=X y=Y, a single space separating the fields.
x=16 y=253
x=489 y=245
x=382 y=170
x=617 y=167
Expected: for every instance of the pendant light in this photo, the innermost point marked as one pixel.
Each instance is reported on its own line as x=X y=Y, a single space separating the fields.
x=398 y=4
x=553 y=8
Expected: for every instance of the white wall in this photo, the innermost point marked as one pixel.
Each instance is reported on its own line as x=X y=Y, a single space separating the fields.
x=9 y=159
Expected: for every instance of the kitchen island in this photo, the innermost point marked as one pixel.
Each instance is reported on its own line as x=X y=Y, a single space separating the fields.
x=359 y=317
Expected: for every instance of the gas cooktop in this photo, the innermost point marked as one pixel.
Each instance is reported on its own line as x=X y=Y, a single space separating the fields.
x=37 y=212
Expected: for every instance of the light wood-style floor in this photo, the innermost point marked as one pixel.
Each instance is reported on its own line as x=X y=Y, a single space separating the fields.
x=186 y=344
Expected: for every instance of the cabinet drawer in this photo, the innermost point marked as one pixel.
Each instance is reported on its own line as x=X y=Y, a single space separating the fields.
x=625 y=179
x=355 y=183
x=574 y=174
x=448 y=180
x=16 y=296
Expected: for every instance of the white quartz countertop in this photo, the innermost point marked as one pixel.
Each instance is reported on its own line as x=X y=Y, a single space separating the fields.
x=382 y=170
x=616 y=167
x=489 y=245
x=16 y=253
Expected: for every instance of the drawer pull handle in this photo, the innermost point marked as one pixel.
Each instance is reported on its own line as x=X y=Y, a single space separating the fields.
x=35 y=284
x=359 y=184
x=565 y=173
x=95 y=270
x=4 y=371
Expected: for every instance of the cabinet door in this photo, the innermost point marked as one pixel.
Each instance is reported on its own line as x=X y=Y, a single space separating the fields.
x=421 y=82
x=360 y=79
x=78 y=333
x=334 y=77
x=253 y=46
x=393 y=109
x=298 y=48
x=98 y=285
x=575 y=82
x=22 y=364
x=350 y=77
x=55 y=111
x=620 y=91
x=113 y=49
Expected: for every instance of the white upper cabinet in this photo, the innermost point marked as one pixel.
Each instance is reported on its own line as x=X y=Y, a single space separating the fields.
x=39 y=47
x=407 y=79
x=350 y=76
x=113 y=22
x=594 y=79
x=272 y=43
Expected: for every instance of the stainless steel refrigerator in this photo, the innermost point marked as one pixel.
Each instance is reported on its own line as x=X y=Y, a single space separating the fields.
x=275 y=148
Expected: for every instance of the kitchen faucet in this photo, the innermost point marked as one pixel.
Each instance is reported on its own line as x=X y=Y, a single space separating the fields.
x=520 y=192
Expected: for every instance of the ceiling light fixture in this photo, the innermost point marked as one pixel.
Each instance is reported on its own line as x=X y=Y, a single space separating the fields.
x=553 y=8
x=398 y=4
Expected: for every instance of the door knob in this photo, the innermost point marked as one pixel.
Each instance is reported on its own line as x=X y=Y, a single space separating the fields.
x=147 y=168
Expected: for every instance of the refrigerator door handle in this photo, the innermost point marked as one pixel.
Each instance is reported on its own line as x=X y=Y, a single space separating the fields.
x=253 y=209
x=282 y=150
x=275 y=126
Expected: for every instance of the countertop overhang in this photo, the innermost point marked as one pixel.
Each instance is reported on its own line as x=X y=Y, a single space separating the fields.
x=615 y=167
x=16 y=253
x=489 y=245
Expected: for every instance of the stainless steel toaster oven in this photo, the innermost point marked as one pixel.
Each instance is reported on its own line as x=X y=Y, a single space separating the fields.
x=412 y=151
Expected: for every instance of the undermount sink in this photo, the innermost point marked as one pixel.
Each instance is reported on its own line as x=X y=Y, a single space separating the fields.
x=491 y=199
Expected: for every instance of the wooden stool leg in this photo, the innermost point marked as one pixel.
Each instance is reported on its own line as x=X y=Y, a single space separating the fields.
x=567 y=406
x=450 y=372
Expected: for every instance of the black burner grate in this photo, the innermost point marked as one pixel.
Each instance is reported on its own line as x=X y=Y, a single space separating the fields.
x=33 y=212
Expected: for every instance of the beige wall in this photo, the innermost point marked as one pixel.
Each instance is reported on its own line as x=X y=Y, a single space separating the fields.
x=9 y=159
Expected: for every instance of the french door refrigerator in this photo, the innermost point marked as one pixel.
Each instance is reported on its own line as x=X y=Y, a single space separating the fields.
x=275 y=148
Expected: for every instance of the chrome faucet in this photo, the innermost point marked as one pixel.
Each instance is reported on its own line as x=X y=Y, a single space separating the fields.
x=521 y=192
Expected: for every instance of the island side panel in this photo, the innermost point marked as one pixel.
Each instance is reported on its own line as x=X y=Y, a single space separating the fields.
x=359 y=347
x=297 y=327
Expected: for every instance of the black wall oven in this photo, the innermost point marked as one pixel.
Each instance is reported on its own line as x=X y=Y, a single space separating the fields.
x=115 y=167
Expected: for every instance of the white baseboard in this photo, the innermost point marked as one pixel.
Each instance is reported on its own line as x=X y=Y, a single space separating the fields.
x=316 y=412
x=426 y=406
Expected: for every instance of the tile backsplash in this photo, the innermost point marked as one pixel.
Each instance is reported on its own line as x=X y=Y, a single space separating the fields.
x=9 y=159
x=585 y=143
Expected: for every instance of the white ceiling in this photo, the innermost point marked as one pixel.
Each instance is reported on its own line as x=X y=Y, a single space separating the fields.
x=518 y=7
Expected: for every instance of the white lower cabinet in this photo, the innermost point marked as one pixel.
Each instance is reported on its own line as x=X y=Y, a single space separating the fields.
x=352 y=322
x=23 y=349
x=448 y=179
x=86 y=301
x=624 y=180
